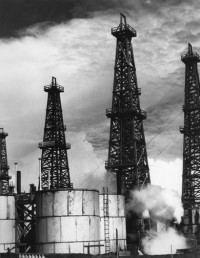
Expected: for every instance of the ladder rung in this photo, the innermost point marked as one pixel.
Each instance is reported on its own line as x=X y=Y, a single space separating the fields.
x=106 y=222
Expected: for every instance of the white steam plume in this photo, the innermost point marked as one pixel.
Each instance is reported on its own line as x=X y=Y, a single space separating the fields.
x=164 y=242
x=162 y=204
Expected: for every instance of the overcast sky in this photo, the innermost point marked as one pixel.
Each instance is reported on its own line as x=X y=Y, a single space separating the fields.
x=71 y=40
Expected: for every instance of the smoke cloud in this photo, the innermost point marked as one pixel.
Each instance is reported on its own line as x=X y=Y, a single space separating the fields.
x=163 y=206
x=157 y=202
x=164 y=242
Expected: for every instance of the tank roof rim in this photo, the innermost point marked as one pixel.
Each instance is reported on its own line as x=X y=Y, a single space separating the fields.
x=68 y=190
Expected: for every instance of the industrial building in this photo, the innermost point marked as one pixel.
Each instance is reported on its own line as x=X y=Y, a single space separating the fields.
x=60 y=219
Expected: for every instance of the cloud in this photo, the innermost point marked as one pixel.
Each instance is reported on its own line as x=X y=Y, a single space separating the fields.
x=166 y=174
x=20 y=14
x=86 y=167
x=80 y=53
x=29 y=64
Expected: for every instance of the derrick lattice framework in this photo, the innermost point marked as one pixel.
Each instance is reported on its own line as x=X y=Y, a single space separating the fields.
x=127 y=155
x=4 y=176
x=54 y=161
x=191 y=132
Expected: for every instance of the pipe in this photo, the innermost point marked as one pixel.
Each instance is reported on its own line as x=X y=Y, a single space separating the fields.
x=18 y=182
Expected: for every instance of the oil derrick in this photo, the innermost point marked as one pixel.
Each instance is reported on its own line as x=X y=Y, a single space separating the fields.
x=191 y=145
x=127 y=155
x=54 y=161
x=4 y=176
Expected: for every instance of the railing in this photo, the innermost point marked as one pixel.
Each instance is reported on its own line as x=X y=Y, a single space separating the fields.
x=191 y=107
x=3 y=134
x=58 y=87
x=46 y=144
x=5 y=176
x=68 y=146
x=143 y=113
x=139 y=91
x=118 y=164
x=110 y=112
x=123 y=27
x=189 y=55
x=106 y=164
x=181 y=129
x=53 y=144
x=5 y=167
x=29 y=255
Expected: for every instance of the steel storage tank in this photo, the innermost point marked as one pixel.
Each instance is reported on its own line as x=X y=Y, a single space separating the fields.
x=117 y=222
x=7 y=223
x=67 y=221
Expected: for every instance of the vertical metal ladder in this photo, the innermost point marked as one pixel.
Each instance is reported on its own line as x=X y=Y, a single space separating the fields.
x=106 y=219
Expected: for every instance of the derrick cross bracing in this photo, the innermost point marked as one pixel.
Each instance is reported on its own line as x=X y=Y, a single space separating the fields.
x=4 y=176
x=127 y=155
x=54 y=161
x=191 y=132
x=25 y=207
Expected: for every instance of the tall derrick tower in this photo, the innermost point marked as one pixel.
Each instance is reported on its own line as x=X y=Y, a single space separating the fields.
x=54 y=161
x=4 y=176
x=191 y=143
x=127 y=155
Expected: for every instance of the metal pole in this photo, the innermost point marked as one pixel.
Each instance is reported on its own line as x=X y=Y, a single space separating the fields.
x=116 y=241
x=18 y=182
x=39 y=183
x=16 y=166
x=171 y=251
x=16 y=172
x=117 y=248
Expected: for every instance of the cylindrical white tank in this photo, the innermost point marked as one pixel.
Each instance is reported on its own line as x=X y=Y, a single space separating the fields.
x=67 y=221
x=7 y=223
x=117 y=223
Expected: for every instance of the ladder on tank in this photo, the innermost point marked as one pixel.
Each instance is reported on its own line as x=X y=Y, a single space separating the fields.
x=106 y=219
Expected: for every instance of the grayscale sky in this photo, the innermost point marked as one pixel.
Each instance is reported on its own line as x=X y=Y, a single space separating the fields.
x=71 y=40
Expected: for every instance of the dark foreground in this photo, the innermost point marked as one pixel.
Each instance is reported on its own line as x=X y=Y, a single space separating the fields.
x=15 y=255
